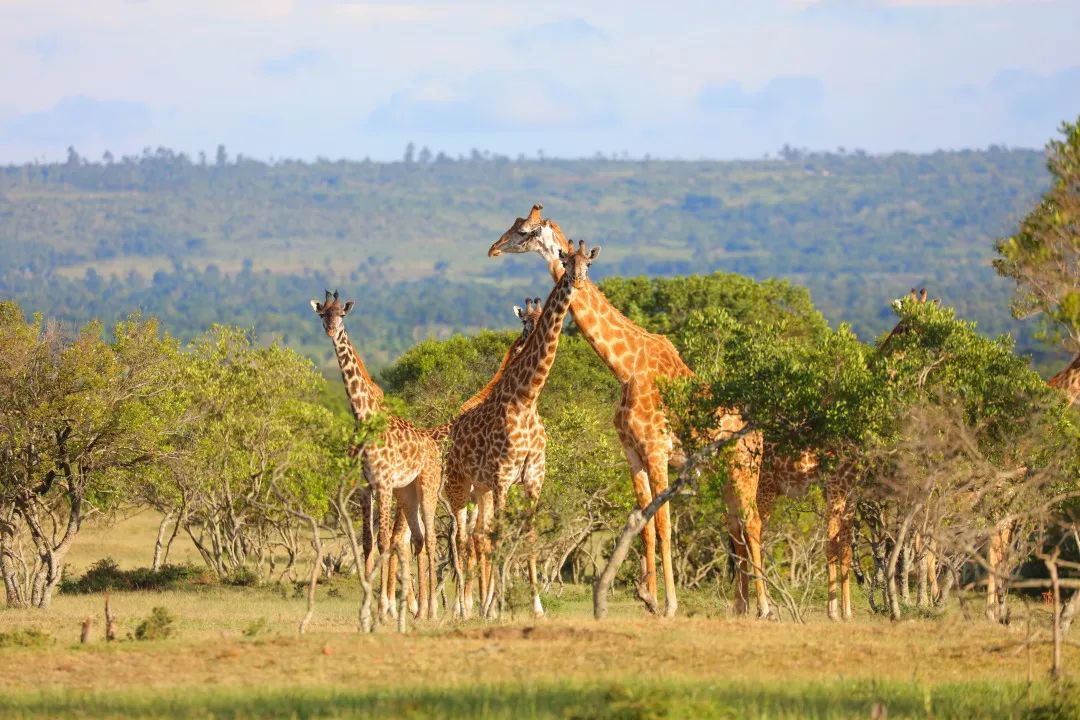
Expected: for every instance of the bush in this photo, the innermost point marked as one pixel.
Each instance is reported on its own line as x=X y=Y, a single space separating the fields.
x=158 y=626
x=106 y=574
x=243 y=577
x=27 y=637
x=256 y=628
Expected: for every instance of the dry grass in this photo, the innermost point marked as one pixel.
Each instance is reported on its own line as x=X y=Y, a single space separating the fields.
x=211 y=654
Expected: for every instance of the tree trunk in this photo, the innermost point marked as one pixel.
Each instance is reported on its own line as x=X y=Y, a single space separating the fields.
x=159 y=543
x=905 y=575
x=894 y=558
x=1056 y=670
x=1069 y=612
x=313 y=581
x=7 y=569
x=360 y=555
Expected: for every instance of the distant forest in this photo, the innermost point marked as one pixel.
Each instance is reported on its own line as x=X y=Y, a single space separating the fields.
x=197 y=241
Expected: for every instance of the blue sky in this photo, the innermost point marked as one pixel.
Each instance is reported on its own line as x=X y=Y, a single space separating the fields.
x=304 y=78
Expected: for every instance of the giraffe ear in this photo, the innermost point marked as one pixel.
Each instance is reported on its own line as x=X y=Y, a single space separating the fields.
x=347 y=308
x=316 y=306
x=594 y=253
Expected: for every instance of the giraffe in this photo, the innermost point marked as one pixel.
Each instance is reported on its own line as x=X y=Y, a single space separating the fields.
x=779 y=475
x=1068 y=381
x=405 y=462
x=528 y=315
x=494 y=444
x=789 y=477
x=636 y=358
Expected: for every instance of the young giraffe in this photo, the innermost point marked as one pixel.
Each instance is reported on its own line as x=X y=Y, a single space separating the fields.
x=528 y=315
x=637 y=358
x=405 y=462
x=493 y=445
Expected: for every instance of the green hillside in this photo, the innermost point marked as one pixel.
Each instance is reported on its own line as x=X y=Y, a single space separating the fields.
x=248 y=243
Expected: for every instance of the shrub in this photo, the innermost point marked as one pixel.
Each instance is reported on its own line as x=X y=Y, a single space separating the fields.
x=256 y=628
x=156 y=627
x=26 y=637
x=243 y=577
x=106 y=574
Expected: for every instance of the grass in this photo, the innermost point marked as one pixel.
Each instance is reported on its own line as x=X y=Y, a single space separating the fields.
x=234 y=653
x=632 y=701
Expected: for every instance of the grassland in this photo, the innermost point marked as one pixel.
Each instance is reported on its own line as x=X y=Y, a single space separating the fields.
x=236 y=654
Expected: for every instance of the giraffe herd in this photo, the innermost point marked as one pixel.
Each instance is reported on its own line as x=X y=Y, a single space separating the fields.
x=498 y=440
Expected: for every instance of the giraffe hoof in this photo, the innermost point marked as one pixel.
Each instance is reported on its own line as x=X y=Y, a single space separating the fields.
x=538 y=608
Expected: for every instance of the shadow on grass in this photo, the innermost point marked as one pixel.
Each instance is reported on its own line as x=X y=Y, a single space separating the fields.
x=569 y=702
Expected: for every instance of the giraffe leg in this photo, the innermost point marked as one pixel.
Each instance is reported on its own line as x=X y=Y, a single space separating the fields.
x=398 y=537
x=734 y=517
x=416 y=530
x=658 y=482
x=834 y=502
x=429 y=498
x=481 y=542
x=491 y=538
x=846 y=522
x=385 y=499
x=458 y=494
x=643 y=494
x=744 y=523
x=472 y=555
x=534 y=481
x=997 y=560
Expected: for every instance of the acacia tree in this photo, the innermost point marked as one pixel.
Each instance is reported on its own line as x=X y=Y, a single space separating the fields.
x=1043 y=257
x=81 y=417
x=253 y=422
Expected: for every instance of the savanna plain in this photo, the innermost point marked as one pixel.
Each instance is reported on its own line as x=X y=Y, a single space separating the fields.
x=234 y=652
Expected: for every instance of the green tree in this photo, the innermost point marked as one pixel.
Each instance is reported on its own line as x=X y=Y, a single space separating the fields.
x=81 y=419
x=1043 y=257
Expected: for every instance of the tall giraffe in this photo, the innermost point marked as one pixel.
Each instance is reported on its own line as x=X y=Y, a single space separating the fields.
x=528 y=315
x=493 y=445
x=636 y=358
x=405 y=462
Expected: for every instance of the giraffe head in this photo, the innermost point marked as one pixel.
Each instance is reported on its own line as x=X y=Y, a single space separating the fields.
x=529 y=315
x=577 y=263
x=332 y=312
x=528 y=234
x=917 y=298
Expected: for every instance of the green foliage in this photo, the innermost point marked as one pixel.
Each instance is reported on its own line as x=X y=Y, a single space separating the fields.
x=25 y=637
x=1042 y=257
x=84 y=422
x=803 y=391
x=943 y=359
x=257 y=627
x=665 y=305
x=158 y=626
x=105 y=574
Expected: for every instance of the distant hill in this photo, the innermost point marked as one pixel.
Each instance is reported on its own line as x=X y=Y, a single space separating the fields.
x=249 y=243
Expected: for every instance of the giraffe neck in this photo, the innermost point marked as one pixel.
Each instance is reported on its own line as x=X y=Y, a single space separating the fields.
x=365 y=397
x=610 y=333
x=485 y=392
x=525 y=375
x=1068 y=381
